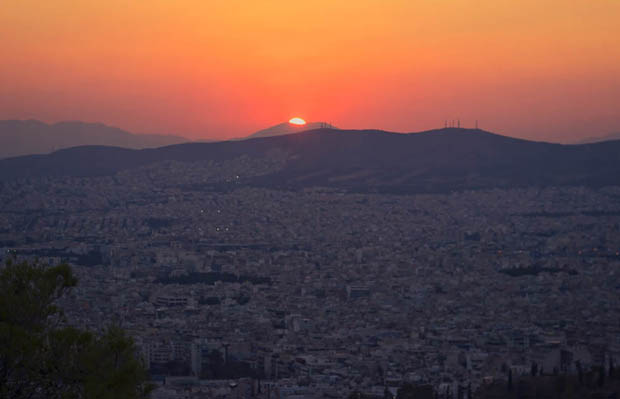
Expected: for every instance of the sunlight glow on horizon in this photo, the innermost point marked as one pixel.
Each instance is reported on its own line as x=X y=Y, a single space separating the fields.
x=297 y=121
x=537 y=69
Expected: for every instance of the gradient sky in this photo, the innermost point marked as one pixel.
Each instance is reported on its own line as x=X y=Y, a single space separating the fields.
x=538 y=69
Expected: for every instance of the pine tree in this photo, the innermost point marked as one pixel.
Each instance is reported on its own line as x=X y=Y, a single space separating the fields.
x=39 y=359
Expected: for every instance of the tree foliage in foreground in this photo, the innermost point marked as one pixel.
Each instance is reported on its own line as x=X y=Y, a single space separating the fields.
x=42 y=357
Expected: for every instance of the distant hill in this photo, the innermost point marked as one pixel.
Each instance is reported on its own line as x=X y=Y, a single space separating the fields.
x=609 y=137
x=288 y=128
x=363 y=160
x=19 y=137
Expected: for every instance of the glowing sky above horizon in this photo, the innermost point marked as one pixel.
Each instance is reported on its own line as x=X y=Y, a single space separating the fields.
x=537 y=69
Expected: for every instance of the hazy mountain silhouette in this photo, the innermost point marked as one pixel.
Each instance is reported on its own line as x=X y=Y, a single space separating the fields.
x=19 y=137
x=609 y=137
x=287 y=128
x=371 y=161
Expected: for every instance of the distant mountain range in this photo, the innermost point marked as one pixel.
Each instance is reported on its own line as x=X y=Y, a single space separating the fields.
x=19 y=137
x=363 y=160
x=288 y=128
x=27 y=137
x=609 y=137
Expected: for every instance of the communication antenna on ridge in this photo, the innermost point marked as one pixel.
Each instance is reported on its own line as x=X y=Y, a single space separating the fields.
x=476 y=124
x=458 y=123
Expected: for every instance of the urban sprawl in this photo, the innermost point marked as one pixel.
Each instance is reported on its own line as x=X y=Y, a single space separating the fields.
x=230 y=289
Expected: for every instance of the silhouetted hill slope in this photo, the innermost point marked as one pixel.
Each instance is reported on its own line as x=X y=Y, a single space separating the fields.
x=33 y=137
x=286 y=128
x=445 y=159
x=609 y=137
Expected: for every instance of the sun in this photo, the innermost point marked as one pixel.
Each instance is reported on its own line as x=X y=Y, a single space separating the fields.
x=297 y=121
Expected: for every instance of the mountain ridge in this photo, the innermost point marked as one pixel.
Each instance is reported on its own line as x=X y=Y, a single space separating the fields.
x=286 y=128
x=362 y=160
x=599 y=139
x=31 y=136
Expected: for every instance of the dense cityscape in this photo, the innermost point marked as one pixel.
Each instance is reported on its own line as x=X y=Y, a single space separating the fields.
x=233 y=290
x=310 y=199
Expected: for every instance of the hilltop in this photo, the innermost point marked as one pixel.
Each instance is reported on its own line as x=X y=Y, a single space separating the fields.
x=362 y=160
x=23 y=137
x=285 y=128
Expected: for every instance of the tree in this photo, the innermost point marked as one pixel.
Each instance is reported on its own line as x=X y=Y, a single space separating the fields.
x=42 y=357
x=601 y=376
x=560 y=385
x=580 y=372
x=410 y=391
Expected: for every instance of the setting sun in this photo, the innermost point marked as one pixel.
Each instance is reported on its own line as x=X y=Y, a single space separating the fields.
x=297 y=121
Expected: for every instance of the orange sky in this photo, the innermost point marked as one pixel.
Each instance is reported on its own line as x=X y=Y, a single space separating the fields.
x=539 y=69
